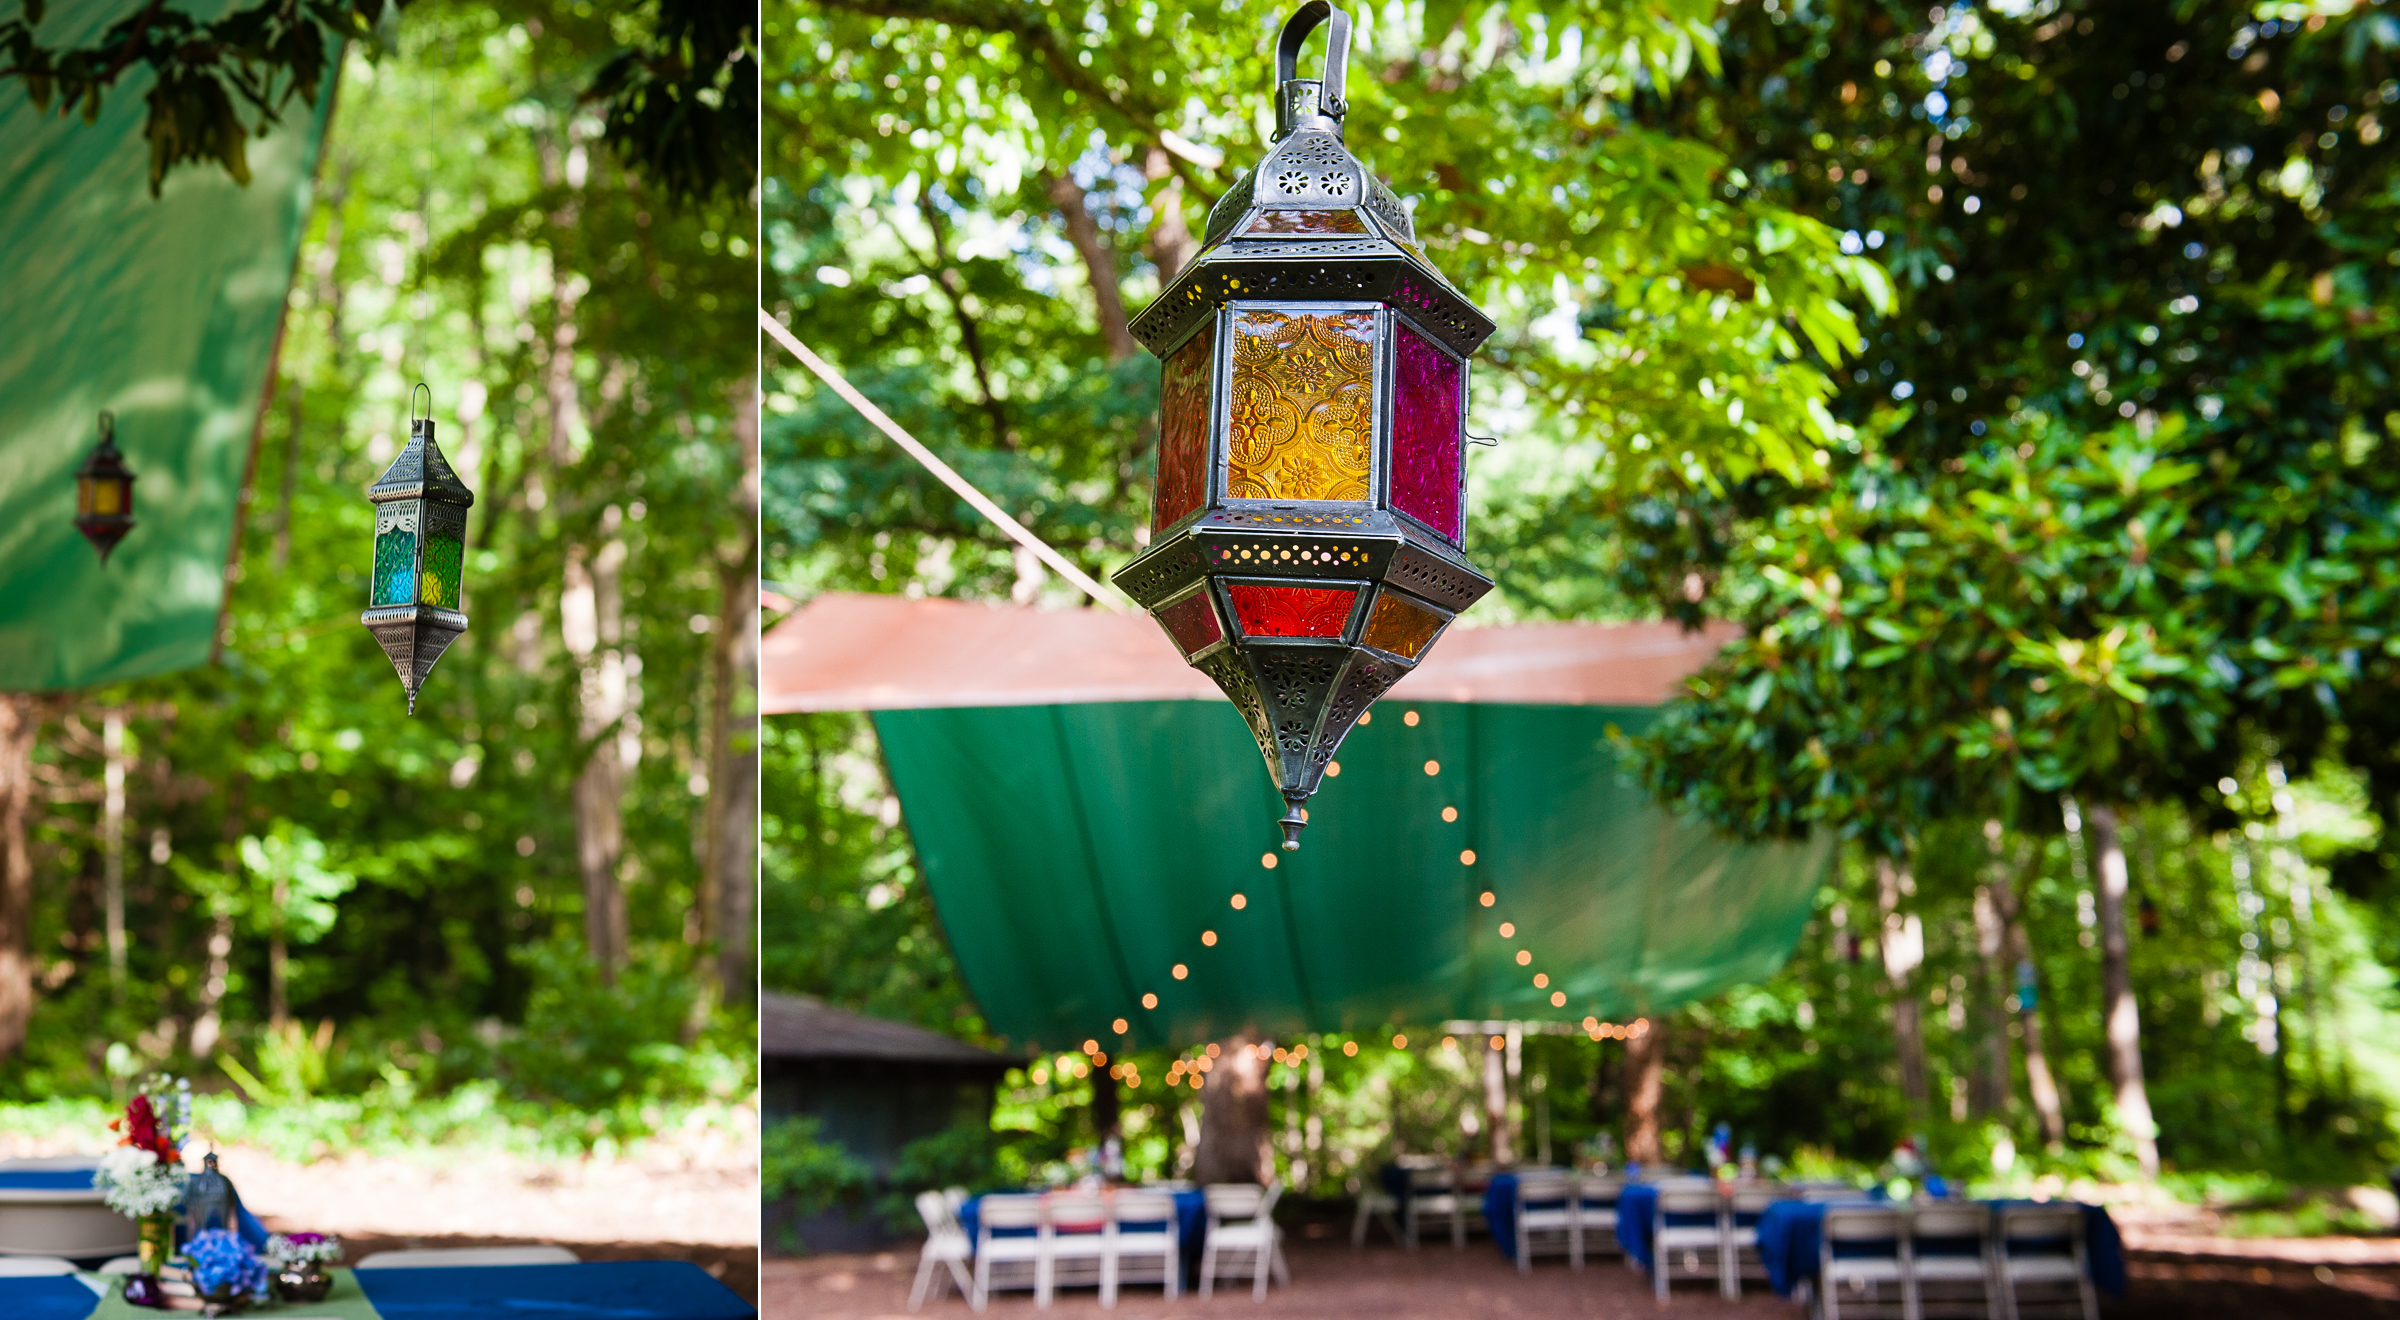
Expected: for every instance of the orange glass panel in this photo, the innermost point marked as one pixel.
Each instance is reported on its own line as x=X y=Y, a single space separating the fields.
x=1291 y=611
x=1183 y=430
x=1401 y=628
x=1305 y=222
x=1303 y=400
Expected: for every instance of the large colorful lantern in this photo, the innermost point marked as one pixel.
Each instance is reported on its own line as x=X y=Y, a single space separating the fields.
x=416 y=597
x=1311 y=476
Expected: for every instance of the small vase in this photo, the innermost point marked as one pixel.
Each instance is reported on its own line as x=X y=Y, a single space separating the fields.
x=302 y=1281
x=157 y=1242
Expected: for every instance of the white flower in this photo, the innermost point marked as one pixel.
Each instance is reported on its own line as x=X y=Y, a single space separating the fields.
x=134 y=1183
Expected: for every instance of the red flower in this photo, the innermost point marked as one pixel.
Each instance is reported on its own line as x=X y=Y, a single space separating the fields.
x=142 y=1130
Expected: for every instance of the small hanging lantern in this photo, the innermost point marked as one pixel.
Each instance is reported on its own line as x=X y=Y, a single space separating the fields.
x=415 y=595
x=209 y=1201
x=1311 y=482
x=104 y=492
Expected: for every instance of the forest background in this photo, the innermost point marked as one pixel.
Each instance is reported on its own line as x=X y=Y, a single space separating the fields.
x=519 y=921
x=2018 y=374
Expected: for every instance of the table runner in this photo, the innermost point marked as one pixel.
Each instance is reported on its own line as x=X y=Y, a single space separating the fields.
x=601 y=1290
x=344 y=1301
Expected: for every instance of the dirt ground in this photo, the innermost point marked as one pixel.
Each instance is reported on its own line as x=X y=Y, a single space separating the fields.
x=1332 y=1282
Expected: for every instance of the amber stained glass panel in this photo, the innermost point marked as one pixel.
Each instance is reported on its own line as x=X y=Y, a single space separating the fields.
x=1400 y=627
x=1305 y=222
x=1303 y=404
x=1428 y=390
x=1267 y=611
x=1192 y=622
x=1183 y=431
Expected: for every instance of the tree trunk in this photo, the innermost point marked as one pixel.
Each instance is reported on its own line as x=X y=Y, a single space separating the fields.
x=21 y=720
x=2121 y=1013
x=1645 y=1066
x=1903 y=944
x=1099 y=266
x=1234 y=1139
x=1495 y=1101
x=2040 y=1085
x=1172 y=244
x=209 y=1026
x=1107 y=1105
x=732 y=829
x=1990 y=1094
x=592 y=619
x=112 y=846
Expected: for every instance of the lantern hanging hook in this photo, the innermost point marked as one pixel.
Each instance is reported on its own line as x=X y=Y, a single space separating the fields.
x=108 y=427
x=414 y=421
x=1296 y=99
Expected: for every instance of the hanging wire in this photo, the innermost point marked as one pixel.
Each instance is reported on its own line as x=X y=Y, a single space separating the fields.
x=1107 y=598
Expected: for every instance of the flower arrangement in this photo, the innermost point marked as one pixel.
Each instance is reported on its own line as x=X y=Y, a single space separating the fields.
x=222 y=1263
x=315 y=1248
x=144 y=1174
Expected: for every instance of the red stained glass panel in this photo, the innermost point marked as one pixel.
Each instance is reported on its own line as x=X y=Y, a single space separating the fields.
x=1192 y=622
x=1183 y=430
x=1426 y=421
x=1291 y=611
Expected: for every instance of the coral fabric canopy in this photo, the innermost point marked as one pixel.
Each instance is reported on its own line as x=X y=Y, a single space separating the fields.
x=1084 y=813
x=163 y=311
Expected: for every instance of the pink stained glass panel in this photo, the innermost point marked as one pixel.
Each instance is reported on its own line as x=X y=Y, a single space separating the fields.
x=1429 y=388
x=1183 y=429
x=1291 y=611
x=1192 y=622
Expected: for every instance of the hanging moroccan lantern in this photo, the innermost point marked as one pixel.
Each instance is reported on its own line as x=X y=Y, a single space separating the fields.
x=1311 y=489
x=104 y=492
x=415 y=596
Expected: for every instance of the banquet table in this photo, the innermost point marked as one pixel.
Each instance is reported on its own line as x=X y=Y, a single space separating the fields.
x=1791 y=1234
x=601 y=1290
x=1636 y=1210
x=1191 y=1227
x=1500 y=1211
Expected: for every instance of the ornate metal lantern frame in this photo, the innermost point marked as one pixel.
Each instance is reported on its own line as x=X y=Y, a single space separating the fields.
x=417 y=587
x=1311 y=496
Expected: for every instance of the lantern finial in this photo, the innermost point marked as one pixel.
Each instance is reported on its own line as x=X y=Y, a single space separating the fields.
x=1308 y=521
x=416 y=595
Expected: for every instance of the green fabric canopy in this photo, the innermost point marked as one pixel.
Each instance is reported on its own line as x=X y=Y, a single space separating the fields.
x=1077 y=853
x=164 y=312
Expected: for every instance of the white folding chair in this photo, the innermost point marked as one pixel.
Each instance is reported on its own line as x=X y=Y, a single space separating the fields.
x=1547 y=1222
x=1374 y=1203
x=1433 y=1196
x=1740 y=1255
x=2040 y=1248
x=1145 y=1244
x=442 y=1258
x=947 y=1251
x=1078 y=1239
x=1949 y=1258
x=1697 y=1246
x=21 y=1267
x=1243 y=1241
x=1021 y=1258
x=1596 y=1200
x=1878 y=1278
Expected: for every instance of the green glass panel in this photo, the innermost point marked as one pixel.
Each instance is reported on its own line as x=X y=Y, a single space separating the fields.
x=395 y=568
x=444 y=553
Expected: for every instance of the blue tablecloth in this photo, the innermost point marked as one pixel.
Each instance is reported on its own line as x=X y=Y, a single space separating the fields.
x=1791 y=1233
x=1500 y=1211
x=602 y=1290
x=1635 y=1211
x=58 y=1297
x=1191 y=1227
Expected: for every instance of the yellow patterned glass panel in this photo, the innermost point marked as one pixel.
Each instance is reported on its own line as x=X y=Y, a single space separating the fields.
x=1303 y=400
x=1401 y=628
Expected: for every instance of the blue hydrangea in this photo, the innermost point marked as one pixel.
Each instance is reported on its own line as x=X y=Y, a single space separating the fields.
x=220 y=1259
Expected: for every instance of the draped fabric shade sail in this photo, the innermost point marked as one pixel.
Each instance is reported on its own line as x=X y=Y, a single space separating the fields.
x=1084 y=811
x=162 y=311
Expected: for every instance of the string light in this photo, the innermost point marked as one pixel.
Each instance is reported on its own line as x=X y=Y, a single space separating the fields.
x=1399 y=1042
x=1209 y=938
x=1266 y=860
x=1119 y=1026
x=1524 y=957
x=1433 y=767
x=1541 y=980
x=1333 y=769
x=1409 y=719
x=1366 y=717
x=1449 y=814
x=1489 y=898
x=1240 y=902
x=1149 y=1001
x=1091 y=1047
x=1508 y=929
x=1182 y=971
x=1466 y=856
x=1349 y=1049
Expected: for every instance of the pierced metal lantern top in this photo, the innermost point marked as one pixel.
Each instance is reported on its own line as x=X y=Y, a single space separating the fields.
x=1310 y=500
x=104 y=492
x=417 y=587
